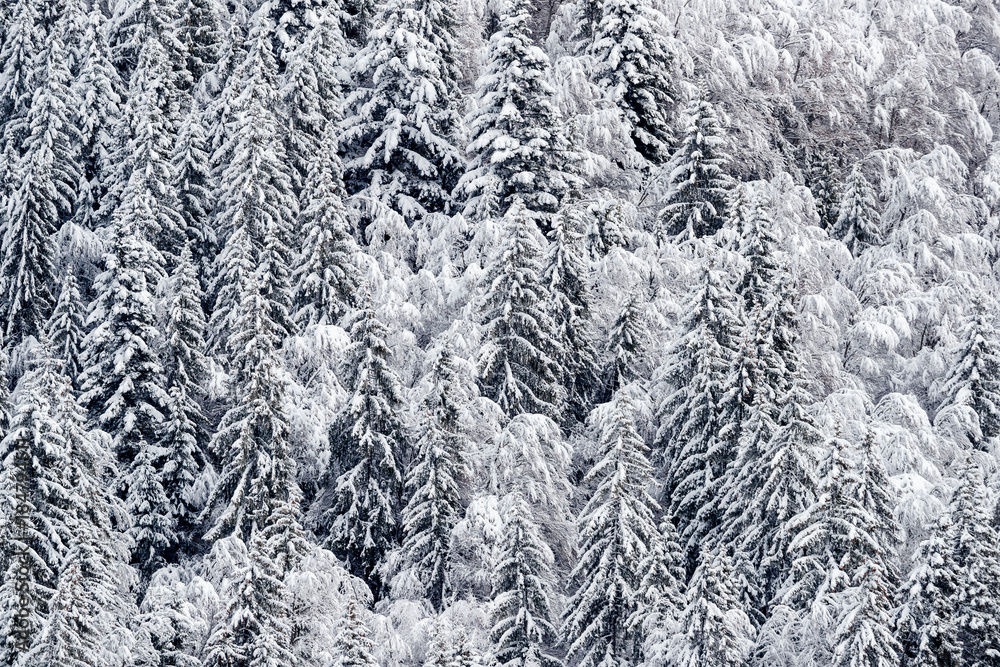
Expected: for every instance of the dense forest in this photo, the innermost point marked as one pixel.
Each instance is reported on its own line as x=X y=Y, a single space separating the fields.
x=499 y=333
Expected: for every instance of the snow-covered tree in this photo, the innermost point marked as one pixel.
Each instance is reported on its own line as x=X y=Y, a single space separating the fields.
x=134 y=24
x=399 y=125
x=367 y=447
x=518 y=363
x=520 y=607
x=66 y=326
x=857 y=222
x=697 y=183
x=864 y=635
x=354 y=644
x=627 y=340
x=713 y=629
x=971 y=390
x=436 y=479
x=193 y=185
x=632 y=64
x=21 y=46
x=201 y=33
x=326 y=277
x=517 y=145
x=618 y=533
x=46 y=175
x=825 y=189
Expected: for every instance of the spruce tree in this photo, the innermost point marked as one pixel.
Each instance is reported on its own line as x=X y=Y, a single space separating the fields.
x=565 y=275
x=758 y=246
x=354 y=646
x=66 y=328
x=975 y=602
x=326 y=278
x=626 y=341
x=366 y=466
x=517 y=146
x=617 y=534
x=200 y=34
x=47 y=175
x=972 y=384
x=697 y=184
x=520 y=606
x=398 y=125
x=134 y=24
x=864 y=636
x=857 y=222
x=825 y=190
x=18 y=56
x=692 y=450
x=632 y=64
x=712 y=627
x=194 y=187
x=518 y=365
x=252 y=440
x=436 y=481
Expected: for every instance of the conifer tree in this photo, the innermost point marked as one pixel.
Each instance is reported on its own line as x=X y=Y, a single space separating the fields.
x=134 y=24
x=825 y=190
x=252 y=439
x=194 y=186
x=565 y=275
x=693 y=451
x=857 y=222
x=712 y=628
x=254 y=195
x=354 y=646
x=632 y=63
x=366 y=467
x=626 y=341
x=864 y=637
x=46 y=176
x=18 y=55
x=517 y=146
x=66 y=326
x=436 y=480
x=100 y=93
x=617 y=534
x=520 y=608
x=200 y=34
x=758 y=246
x=518 y=364
x=326 y=277
x=697 y=184
x=398 y=125
x=976 y=599
x=972 y=385
x=152 y=529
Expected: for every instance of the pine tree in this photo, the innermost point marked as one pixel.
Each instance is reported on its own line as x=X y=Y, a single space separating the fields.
x=326 y=277
x=712 y=628
x=185 y=371
x=925 y=624
x=693 y=451
x=626 y=341
x=632 y=63
x=354 y=646
x=972 y=385
x=825 y=190
x=47 y=174
x=617 y=534
x=697 y=185
x=254 y=194
x=857 y=222
x=518 y=362
x=252 y=439
x=436 y=480
x=66 y=328
x=100 y=92
x=398 y=125
x=565 y=275
x=517 y=146
x=976 y=599
x=520 y=609
x=367 y=461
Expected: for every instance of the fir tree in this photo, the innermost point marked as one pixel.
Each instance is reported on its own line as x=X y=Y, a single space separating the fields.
x=518 y=363
x=200 y=34
x=758 y=246
x=152 y=529
x=21 y=47
x=520 y=608
x=518 y=148
x=617 y=534
x=697 y=185
x=367 y=461
x=632 y=63
x=864 y=637
x=972 y=385
x=326 y=277
x=66 y=326
x=252 y=439
x=712 y=628
x=398 y=128
x=565 y=275
x=134 y=25
x=825 y=190
x=626 y=342
x=47 y=173
x=354 y=646
x=975 y=602
x=857 y=222
x=193 y=185
x=436 y=480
